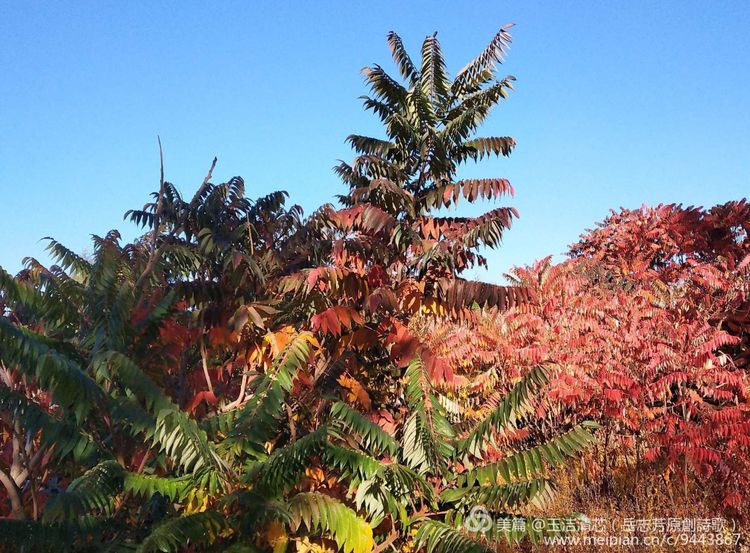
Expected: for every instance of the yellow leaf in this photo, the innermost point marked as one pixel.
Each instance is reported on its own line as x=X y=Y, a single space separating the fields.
x=276 y=536
x=305 y=546
x=197 y=502
x=356 y=391
x=315 y=474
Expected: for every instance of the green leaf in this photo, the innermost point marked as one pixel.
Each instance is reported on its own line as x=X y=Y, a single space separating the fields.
x=175 y=534
x=321 y=513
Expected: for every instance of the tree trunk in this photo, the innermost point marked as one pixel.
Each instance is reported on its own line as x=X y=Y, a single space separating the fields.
x=14 y=494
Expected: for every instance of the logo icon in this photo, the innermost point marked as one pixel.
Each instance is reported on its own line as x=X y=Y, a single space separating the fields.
x=478 y=520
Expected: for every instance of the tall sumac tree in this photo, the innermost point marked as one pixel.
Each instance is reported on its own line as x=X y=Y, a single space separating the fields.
x=243 y=378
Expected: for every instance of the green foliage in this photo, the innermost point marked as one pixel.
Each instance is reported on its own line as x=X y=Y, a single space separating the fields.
x=320 y=513
x=65 y=435
x=70 y=387
x=438 y=537
x=28 y=536
x=94 y=491
x=513 y=407
x=427 y=431
x=391 y=490
x=175 y=534
x=259 y=419
x=174 y=432
x=372 y=438
x=532 y=462
x=148 y=485
x=285 y=466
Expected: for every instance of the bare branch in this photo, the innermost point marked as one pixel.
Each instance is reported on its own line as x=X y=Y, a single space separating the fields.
x=156 y=252
x=204 y=361
x=199 y=193
x=152 y=258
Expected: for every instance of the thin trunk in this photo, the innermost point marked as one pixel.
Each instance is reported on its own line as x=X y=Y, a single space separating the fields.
x=153 y=256
x=181 y=378
x=637 y=470
x=606 y=461
x=240 y=398
x=155 y=251
x=34 y=500
x=292 y=426
x=199 y=193
x=14 y=494
x=204 y=362
x=684 y=459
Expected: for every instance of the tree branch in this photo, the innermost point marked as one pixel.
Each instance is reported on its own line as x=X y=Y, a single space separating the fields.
x=199 y=193
x=156 y=252
x=204 y=362
x=388 y=541
x=152 y=258
x=14 y=494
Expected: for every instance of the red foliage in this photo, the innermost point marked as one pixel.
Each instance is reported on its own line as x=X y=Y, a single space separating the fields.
x=648 y=324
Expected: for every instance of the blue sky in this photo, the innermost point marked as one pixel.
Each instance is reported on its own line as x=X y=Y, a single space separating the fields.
x=616 y=104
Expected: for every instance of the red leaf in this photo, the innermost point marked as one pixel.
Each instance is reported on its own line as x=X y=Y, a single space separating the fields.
x=204 y=396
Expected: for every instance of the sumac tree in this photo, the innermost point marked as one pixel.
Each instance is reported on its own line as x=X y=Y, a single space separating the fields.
x=245 y=378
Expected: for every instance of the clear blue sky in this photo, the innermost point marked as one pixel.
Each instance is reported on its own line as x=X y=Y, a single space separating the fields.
x=616 y=104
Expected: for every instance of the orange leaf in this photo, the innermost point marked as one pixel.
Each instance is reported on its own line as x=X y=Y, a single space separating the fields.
x=335 y=319
x=200 y=397
x=356 y=391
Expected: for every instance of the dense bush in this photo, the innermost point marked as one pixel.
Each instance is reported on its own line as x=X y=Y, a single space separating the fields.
x=648 y=323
